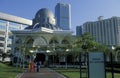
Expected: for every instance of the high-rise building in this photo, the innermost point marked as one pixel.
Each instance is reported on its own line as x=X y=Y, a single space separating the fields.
x=8 y=23
x=63 y=16
x=105 y=31
x=79 y=30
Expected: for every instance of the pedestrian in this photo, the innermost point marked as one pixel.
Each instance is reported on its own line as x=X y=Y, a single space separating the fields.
x=32 y=67
x=29 y=67
x=35 y=67
x=38 y=65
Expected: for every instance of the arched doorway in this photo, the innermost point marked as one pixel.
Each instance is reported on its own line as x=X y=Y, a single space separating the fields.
x=40 y=57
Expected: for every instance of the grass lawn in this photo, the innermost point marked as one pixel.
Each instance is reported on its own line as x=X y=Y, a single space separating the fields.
x=9 y=71
x=74 y=73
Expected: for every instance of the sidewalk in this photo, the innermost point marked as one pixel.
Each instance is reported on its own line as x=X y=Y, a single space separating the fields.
x=44 y=73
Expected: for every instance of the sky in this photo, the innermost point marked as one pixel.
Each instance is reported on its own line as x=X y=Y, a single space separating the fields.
x=81 y=10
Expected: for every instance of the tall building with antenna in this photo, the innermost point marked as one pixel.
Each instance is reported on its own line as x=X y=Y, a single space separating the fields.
x=63 y=15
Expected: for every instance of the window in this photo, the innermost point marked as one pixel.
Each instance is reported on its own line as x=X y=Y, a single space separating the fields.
x=2 y=27
x=1 y=44
x=2 y=38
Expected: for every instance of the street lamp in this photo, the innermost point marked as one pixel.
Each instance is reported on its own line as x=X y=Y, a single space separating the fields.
x=116 y=54
x=48 y=51
x=112 y=64
x=67 y=50
x=47 y=57
x=23 y=57
x=31 y=52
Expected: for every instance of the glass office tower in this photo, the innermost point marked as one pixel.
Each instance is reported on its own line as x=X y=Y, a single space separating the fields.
x=63 y=16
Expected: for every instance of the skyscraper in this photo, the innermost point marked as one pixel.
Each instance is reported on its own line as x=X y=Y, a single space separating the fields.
x=63 y=16
x=105 y=31
x=79 y=30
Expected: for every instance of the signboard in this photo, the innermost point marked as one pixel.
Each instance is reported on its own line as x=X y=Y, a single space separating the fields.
x=96 y=66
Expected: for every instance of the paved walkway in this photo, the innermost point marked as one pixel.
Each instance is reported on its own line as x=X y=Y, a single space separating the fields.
x=44 y=73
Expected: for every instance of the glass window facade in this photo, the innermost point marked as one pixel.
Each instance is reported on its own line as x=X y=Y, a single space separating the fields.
x=63 y=16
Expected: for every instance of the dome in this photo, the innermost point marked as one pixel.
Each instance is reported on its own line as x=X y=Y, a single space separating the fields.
x=44 y=12
x=44 y=18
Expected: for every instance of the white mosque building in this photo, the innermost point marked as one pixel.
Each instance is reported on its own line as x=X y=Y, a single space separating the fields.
x=38 y=41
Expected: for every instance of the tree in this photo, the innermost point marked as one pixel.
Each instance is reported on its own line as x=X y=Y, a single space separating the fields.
x=117 y=53
x=64 y=50
x=85 y=43
x=3 y=56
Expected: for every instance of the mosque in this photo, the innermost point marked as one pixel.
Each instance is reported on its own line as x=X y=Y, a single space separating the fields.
x=38 y=42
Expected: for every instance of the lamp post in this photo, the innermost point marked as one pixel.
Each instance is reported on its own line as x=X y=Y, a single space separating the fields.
x=112 y=64
x=31 y=52
x=67 y=50
x=53 y=52
x=48 y=51
x=53 y=59
x=23 y=57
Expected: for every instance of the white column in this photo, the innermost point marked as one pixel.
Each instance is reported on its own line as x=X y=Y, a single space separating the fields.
x=46 y=57
x=20 y=27
x=12 y=47
x=6 y=36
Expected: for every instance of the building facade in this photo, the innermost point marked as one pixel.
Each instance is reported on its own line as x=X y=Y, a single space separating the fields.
x=35 y=42
x=105 y=31
x=7 y=24
x=63 y=16
x=79 y=30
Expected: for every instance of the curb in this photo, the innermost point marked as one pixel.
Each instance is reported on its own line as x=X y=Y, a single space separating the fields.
x=57 y=73
x=19 y=75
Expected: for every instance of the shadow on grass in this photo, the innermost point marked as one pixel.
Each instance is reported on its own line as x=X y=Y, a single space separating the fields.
x=75 y=73
x=9 y=71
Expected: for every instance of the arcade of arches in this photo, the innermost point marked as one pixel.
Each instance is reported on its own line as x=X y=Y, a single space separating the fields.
x=47 y=48
x=41 y=41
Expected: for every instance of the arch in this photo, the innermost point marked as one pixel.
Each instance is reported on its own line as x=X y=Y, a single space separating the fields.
x=53 y=41
x=44 y=39
x=40 y=57
x=40 y=41
x=64 y=41
x=29 y=41
x=35 y=26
